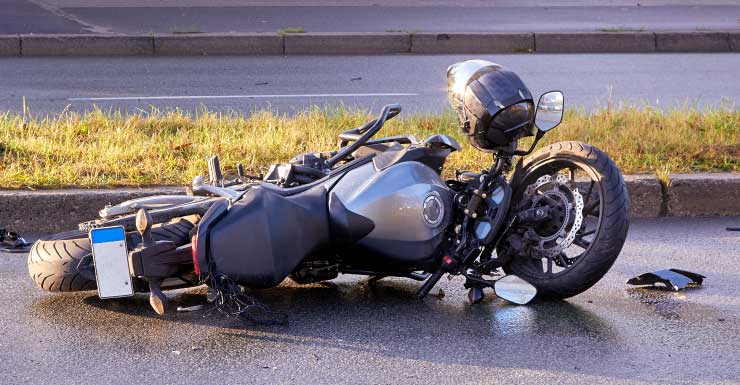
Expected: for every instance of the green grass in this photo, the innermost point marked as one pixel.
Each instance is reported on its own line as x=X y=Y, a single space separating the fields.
x=284 y=31
x=102 y=149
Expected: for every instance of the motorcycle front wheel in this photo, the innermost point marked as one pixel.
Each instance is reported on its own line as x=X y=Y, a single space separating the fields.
x=588 y=206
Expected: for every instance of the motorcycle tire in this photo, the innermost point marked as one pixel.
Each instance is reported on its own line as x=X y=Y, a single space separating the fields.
x=54 y=261
x=598 y=258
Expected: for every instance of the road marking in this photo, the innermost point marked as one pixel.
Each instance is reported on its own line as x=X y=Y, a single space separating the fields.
x=235 y=96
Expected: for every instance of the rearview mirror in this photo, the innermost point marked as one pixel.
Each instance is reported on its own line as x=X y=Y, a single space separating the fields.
x=549 y=111
x=514 y=289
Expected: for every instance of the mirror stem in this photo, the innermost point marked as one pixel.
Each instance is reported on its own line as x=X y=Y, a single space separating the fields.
x=537 y=138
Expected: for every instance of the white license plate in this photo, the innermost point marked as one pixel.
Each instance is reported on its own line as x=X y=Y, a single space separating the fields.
x=111 y=262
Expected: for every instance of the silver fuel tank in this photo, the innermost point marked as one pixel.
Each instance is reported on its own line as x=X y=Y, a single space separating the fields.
x=399 y=213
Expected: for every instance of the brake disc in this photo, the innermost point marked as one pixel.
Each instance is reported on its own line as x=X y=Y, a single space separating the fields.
x=555 y=188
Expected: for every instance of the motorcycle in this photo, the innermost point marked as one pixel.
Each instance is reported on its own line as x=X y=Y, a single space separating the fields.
x=550 y=224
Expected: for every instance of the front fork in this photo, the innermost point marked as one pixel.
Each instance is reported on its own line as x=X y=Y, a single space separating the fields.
x=467 y=247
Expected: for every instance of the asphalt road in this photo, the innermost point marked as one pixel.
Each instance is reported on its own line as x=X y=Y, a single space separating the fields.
x=351 y=332
x=194 y=16
x=431 y=18
x=292 y=83
x=20 y=16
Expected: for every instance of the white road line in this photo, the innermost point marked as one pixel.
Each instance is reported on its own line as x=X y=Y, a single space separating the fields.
x=235 y=96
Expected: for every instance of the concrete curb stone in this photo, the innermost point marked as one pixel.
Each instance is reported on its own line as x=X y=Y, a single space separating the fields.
x=10 y=45
x=53 y=211
x=218 y=44
x=340 y=43
x=703 y=194
x=347 y=43
x=734 y=38
x=558 y=42
x=471 y=43
x=50 y=211
x=86 y=45
x=692 y=41
x=646 y=196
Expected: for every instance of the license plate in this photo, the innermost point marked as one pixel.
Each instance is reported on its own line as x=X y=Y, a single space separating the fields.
x=111 y=262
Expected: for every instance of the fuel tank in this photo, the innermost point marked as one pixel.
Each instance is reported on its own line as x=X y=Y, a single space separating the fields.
x=396 y=214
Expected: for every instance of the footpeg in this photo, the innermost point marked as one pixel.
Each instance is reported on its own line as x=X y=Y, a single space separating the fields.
x=157 y=299
x=154 y=261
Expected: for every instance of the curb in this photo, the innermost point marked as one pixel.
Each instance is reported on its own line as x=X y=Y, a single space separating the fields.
x=215 y=44
x=341 y=43
x=595 y=42
x=695 y=42
x=646 y=196
x=54 y=211
x=462 y=43
x=85 y=45
x=703 y=194
x=346 y=44
x=10 y=45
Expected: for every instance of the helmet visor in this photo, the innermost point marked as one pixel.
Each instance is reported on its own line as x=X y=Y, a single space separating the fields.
x=514 y=117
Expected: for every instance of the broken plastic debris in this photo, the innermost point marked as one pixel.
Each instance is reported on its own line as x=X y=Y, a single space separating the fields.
x=673 y=279
x=11 y=242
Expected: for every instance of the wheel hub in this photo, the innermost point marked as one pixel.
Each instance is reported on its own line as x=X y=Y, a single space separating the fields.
x=566 y=203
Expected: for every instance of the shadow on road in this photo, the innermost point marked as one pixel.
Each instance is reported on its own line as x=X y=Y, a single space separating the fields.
x=383 y=318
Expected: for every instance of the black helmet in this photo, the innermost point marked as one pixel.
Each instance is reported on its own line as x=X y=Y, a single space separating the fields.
x=494 y=106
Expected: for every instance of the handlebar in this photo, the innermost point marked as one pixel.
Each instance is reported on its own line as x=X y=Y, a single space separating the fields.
x=361 y=134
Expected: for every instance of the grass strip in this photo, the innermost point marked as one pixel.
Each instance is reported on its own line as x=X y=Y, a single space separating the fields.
x=108 y=148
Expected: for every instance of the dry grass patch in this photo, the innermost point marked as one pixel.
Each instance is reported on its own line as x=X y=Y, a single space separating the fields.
x=102 y=149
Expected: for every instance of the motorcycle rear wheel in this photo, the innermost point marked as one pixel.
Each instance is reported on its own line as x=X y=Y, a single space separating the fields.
x=605 y=207
x=54 y=262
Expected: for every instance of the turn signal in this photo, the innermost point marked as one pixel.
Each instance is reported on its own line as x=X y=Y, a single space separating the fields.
x=194 y=245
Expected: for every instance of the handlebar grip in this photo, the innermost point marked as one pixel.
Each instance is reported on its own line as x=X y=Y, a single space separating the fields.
x=430 y=282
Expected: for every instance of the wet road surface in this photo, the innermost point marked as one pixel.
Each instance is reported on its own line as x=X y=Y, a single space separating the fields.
x=348 y=331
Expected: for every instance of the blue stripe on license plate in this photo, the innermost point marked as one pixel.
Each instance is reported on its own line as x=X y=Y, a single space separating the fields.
x=110 y=234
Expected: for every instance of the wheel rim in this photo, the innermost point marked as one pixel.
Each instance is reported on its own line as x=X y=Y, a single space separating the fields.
x=589 y=184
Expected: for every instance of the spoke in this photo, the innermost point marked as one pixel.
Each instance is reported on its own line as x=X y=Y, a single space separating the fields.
x=563 y=261
x=582 y=243
x=589 y=210
x=588 y=194
x=533 y=265
x=549 y=266
x=585 y=233
x=572 y=174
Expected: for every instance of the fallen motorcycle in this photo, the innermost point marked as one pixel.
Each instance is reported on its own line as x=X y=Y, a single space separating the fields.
x=376 y=207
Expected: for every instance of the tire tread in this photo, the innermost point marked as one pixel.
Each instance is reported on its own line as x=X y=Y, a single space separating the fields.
x=53 y=261
x=615 y=222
